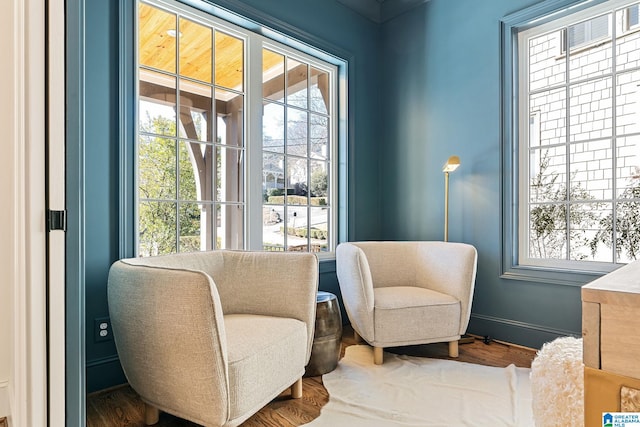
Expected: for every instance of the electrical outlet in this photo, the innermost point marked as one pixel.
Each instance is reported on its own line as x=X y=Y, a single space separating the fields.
x=102 y=329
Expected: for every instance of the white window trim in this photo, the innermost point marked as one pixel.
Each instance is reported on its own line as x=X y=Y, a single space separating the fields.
x=254 y=43
x=523 y=117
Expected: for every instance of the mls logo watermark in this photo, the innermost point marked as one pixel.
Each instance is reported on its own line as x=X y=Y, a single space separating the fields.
x=621 y=419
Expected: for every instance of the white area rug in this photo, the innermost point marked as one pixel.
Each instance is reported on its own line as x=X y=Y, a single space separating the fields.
x=423 y=392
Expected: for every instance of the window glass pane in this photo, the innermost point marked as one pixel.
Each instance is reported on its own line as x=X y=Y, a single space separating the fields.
x=195 y=50
x=318 y=183
x=273 y=178
x=550 y=126
x=196 y=171
x=627 y=225
x=273 y=127
x=230 y=113
x=590 y=110
x=297 y=187
x=545 y=69
x=318 y=229
x=273 y=228
x=628 y=167
x=319 y=136
x=230 y=227
x=157 y=32
x=628 y=103
x=319 y=91
x=272 y=75
x=157 y=228
x=547 y=231
x=157 y=103
x=297 y=128
x=548 y=175
x=230 y=175
x=297 y=230
x=591 y=166
x=296 y=83
x=229 y=60
x=195 y=227
x=586 y=221
x=156 y=168
x=195 y=111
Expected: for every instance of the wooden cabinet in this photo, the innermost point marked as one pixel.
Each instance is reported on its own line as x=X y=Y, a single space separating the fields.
x=611 y=340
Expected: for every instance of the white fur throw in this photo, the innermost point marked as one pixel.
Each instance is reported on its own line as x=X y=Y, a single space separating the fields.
x=557 y=384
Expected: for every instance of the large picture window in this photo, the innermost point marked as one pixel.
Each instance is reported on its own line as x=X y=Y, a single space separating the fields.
x=214 y=173
x=578 y=170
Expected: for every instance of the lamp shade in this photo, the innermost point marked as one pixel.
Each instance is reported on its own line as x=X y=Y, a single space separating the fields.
x=452 y=164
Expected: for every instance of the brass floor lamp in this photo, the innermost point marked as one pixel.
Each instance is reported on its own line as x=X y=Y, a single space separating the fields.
x=452 y=164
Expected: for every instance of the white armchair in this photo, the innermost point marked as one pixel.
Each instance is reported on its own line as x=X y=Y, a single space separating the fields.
x=213 y=336
x=406 y=293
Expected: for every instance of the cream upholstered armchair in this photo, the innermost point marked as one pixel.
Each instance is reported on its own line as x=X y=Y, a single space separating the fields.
x=406 y=293
x=213 y=336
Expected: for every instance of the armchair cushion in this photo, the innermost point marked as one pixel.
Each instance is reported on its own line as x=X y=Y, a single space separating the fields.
x=257 y=347
x=405 y=315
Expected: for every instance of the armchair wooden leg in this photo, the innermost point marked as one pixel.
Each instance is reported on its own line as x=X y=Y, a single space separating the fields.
x=151 y=414
x=296 y=389
x=453 y=348
x=378 y=355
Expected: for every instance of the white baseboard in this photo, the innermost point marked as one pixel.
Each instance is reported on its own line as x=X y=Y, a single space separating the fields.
x=5 y=410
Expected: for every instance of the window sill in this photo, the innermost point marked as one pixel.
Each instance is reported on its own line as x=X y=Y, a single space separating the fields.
x=553 y=276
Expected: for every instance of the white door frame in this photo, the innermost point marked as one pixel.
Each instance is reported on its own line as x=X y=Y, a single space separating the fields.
x=22 y=110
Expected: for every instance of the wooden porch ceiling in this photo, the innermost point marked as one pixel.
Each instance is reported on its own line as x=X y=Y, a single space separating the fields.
x=203 y=54
x=205 y=57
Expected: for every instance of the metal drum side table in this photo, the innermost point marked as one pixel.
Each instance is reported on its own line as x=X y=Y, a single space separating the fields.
x=327 y=338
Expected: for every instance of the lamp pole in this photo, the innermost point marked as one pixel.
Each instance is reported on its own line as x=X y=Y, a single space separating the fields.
x=452 y=164
x=446 y=206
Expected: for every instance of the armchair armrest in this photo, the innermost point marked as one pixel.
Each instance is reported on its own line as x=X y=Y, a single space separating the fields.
x=449 y=268
x=153 y=330
x=356 y=286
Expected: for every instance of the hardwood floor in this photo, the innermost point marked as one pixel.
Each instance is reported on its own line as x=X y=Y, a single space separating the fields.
x=121 y=406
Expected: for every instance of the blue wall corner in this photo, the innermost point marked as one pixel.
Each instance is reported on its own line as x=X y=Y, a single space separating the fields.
x=442 y=97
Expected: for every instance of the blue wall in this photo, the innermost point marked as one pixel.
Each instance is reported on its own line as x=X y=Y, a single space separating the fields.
x=101 y=181
x=441 y=74
x=328 y=24
x=423 y=86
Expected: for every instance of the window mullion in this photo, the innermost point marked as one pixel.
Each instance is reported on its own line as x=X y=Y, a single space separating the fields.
x=567 y=65
x=253 y=143
x=177 y=141
x=614 y=138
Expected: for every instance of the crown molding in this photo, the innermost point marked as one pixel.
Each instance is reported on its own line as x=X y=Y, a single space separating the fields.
x=380 y=11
